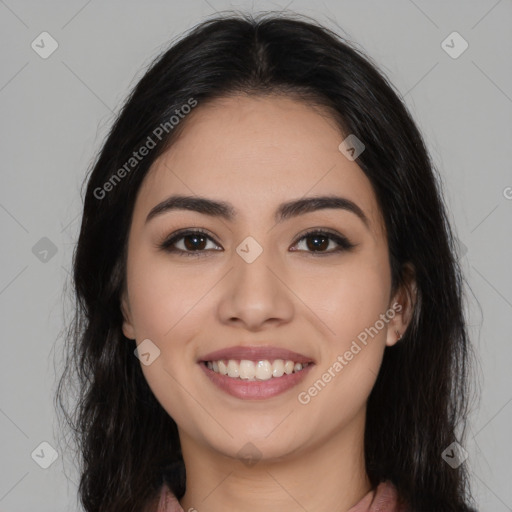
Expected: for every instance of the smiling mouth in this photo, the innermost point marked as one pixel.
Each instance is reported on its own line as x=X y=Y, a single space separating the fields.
x=256 y=372
x=248 y=370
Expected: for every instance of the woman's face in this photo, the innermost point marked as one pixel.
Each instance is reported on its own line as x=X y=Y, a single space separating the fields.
x=255 y=286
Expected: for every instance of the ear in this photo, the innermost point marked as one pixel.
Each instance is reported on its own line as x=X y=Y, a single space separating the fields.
x=128 y=329
x=403 y=304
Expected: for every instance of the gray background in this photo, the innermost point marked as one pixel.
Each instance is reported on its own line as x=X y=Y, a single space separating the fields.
x=55 y=114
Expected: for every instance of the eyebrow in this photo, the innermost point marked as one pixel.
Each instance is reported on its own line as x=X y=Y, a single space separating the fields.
x=284 y=211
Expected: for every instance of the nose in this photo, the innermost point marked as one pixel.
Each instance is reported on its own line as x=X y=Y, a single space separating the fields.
x=255 y=294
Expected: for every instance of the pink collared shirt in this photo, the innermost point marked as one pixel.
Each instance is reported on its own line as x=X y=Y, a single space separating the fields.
x=381 y=499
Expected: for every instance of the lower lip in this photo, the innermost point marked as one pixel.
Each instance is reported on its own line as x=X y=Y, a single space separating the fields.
x=256 y=389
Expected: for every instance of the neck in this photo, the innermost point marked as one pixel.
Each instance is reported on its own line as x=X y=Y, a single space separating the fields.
x=325 y=478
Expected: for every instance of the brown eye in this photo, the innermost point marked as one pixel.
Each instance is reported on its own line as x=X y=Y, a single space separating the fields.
x=188 y=242
x=194 y=242
x=319 y=241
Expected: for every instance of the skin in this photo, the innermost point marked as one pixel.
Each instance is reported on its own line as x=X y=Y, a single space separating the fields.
x=256 y=152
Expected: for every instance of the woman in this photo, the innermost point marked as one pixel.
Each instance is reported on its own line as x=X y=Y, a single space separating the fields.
x=269 y=309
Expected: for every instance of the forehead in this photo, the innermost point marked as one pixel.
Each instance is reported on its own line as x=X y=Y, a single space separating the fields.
x=257 y=152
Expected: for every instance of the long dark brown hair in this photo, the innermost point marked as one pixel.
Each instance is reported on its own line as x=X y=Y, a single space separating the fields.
x=128 y=444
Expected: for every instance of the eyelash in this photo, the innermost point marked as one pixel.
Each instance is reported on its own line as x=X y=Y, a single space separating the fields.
x=343 y=243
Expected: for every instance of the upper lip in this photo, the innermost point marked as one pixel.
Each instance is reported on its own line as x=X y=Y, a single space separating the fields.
x=256 y=353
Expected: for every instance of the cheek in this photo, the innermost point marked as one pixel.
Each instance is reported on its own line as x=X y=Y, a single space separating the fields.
x=349 y=298
x=166 y=308
x=351 y=305
x=163 y=298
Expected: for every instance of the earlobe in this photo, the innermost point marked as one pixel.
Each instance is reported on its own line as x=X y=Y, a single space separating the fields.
x=396 y=327
x=128 y=329
x=403 y=305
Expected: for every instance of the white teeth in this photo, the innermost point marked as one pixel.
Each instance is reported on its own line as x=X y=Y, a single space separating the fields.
x=247 y=369
x=288 y=367
x=260 y=370
x=233 y=369
x=278 y=368
x=223 y=369
x=263 y=370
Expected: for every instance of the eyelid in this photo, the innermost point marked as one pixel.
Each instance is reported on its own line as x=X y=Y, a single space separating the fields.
x=167 y=243
x=344 y=244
